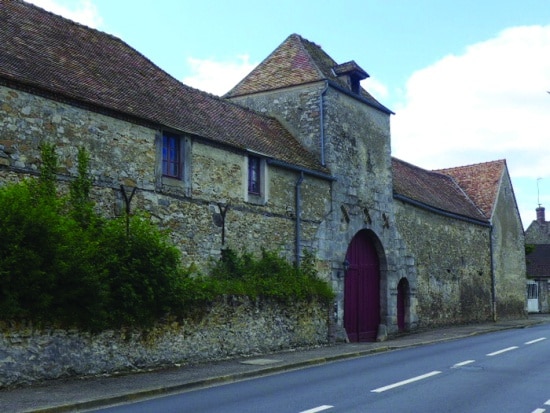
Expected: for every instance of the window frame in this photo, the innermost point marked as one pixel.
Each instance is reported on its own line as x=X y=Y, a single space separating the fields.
x=171 y=147
x=254 y=182
x=259 y=194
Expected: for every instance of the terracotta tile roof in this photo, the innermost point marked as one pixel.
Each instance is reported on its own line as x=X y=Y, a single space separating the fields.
x=480 y=181
x=46 y=52
x=298 y=61
x=433 y=189
x=538 y=261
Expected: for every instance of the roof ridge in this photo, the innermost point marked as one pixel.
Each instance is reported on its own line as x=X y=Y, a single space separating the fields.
x=70 y=21
x=449 y=179
x=110 y=74
x=294 y=38
x=430 y=171
x=475 y=205
x=496 y=161
x=476 y=180
x=119 y=40
x=302 y=41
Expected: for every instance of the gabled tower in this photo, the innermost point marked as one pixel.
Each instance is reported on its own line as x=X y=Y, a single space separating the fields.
x=324 y=106
x=322 y=103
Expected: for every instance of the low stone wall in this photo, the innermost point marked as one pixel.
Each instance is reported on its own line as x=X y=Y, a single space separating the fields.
x=230 y=328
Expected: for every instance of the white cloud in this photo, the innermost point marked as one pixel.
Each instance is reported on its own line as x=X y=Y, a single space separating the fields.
x=375 y=88
x=84 y=12
x=217 y=77
x=489 y=103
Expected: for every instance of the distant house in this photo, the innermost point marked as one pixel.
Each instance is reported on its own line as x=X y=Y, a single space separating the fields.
x=298 y=152
x=537 y=237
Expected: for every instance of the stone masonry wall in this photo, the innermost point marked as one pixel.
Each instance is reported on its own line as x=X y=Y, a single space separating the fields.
x=357 y=150
x=509 y=252
x=230 y=328
x=126 y=153
x=453 y=266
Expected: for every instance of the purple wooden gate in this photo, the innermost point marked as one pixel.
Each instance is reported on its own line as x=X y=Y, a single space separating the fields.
x=362 y=290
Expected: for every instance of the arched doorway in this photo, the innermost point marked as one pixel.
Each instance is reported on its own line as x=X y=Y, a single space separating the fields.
x=362 y=289
x=402 y=303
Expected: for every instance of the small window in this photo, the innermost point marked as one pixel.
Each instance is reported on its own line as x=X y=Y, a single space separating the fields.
x=254 y=175
x=532 y=291
x=171 y=155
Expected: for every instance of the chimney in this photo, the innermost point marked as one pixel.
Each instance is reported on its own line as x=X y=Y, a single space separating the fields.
x=540 y=215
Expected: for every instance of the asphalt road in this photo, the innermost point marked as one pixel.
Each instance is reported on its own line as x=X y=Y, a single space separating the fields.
x=505 y=371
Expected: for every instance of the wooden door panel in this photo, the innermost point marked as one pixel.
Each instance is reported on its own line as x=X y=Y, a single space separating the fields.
x=362 y=290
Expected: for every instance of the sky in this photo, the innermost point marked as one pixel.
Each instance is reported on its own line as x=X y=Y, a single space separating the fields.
x=468 y=80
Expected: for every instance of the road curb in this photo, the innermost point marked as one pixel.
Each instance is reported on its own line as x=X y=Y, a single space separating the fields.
x=230 y=378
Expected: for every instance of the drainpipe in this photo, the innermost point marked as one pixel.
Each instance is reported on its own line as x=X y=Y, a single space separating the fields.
x=493 y=281
x=298 y=214
x=322 y=120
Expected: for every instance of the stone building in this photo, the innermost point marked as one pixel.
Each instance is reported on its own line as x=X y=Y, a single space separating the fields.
x=446 y=246
x=463 y=228
x=296 y=156
x=538 y=231
x=537 y=237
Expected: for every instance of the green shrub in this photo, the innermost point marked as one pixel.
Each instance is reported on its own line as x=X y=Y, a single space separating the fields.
x=62 y=263
x=30 y=230
x=269 y=276
x=143 y=272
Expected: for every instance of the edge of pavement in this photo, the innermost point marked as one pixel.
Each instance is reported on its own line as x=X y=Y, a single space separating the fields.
x=49 y=397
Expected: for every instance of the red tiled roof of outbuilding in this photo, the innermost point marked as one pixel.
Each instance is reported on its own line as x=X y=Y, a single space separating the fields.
x=48 y=53
x=433 y=189
x=480 y=181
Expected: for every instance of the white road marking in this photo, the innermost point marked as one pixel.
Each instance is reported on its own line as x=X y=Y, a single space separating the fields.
x=535 y=341
x=402 y=383
x=463 y=363
x=317 y=409
x=504 y=350
x=538 y=411
x=547 y=403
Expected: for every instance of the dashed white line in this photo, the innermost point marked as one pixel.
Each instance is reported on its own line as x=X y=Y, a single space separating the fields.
x=538 y=411
x=463 y=363
x=402 y=383
x=317 y=409
x=535 y=341
x=547 y=403
x=504 y=350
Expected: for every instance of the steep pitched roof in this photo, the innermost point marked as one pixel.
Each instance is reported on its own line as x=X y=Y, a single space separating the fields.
x=540 y=227
x=45 y=52
x=538 y=261
x=432 y=189
x=480 y=181
x=295 y=62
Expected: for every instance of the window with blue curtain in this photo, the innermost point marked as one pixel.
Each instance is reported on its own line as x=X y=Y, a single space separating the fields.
x=254 y=177
x=171 y=155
